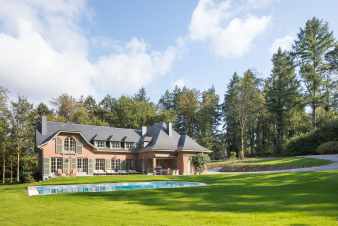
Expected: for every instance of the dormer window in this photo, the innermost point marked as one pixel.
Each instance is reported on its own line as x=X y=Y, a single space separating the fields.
x=115 y=144
x=70 y=144
x=129 y=145
x=101 y=143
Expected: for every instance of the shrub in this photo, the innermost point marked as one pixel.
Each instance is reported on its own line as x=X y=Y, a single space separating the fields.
x=199 y=161
x=330 y=147
x=308 y=143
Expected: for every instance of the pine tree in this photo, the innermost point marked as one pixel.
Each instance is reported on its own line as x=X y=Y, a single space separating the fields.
x=282 y=93
x=312 y=44
x=249 y=104
x=231 y=123
x=209 y=119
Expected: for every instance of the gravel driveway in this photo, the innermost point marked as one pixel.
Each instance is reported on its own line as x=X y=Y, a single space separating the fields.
x=332 y=166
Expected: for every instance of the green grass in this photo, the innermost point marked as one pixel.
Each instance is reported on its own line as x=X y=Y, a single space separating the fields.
x=259 y=164
x=229 y=199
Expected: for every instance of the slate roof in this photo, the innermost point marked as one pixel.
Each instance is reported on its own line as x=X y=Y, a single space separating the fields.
x=157 y=135
x=90 y=132
x=162 y=141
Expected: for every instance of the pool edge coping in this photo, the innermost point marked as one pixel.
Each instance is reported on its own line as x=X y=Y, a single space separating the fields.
x=33 y=191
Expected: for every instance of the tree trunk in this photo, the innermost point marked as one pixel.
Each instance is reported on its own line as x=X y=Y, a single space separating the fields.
x=280 y=135
x=314 y=115
x=241 y=152
x=11 y=171
x=18 y=166
x=4 y=165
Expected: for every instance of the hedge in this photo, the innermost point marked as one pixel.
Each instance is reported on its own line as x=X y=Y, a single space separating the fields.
x=308 y=143
x=330 y=147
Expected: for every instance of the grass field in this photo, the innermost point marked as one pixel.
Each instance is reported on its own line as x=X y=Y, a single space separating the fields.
x=297 y=199
x=259 y=164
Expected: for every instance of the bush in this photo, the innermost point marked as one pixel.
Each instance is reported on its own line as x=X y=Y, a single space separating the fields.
x=330 y=147
x=199 y=161
x=308 y=143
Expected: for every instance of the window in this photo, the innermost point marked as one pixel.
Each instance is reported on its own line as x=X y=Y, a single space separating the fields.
x=100 y=164
x=82 y=165
x=101 y=143
x=69 y=144
x=85 y=165
x=130 y=164
x=118 y=164
x=56 y=163
x=113 y=164
x=53 y=165
x=115 y=144
x=79 y=165
x=130 y=145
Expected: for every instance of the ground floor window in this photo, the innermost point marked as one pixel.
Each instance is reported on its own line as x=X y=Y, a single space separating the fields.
x=130 y=164
x=82 y=165
x=100 y=164
x=56 y=164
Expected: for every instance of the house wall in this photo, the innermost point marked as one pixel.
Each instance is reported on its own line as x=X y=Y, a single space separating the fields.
x=143 y=160
x=184 y=164
x=49 y=150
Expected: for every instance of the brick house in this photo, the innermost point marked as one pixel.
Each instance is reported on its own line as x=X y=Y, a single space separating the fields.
x=79 y=150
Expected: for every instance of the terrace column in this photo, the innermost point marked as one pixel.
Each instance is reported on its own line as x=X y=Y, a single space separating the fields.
x=154 y=164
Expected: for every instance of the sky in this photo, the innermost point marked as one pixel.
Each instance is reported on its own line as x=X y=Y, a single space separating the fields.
x=79 y=47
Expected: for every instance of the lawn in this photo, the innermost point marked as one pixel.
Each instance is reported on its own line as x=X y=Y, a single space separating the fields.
x=230 y=199
x=259 y=164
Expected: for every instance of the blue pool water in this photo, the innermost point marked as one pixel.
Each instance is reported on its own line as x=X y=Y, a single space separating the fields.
x=55 y=189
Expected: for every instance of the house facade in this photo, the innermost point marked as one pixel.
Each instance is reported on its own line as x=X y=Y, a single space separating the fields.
x=67 y=149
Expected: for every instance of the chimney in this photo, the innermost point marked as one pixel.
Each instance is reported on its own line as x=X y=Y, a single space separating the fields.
x=144 y=130
x=170 y=129
x=44 y=125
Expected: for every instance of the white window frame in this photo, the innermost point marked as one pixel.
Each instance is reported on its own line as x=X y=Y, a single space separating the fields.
x=69 y=145
x=100 y=143
x=100 y=164
x=129 y=145
x=115 y=145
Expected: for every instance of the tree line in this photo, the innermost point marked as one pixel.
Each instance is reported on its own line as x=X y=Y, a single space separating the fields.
x=255 y=117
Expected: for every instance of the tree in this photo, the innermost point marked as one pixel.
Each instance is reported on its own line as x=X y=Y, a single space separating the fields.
x=65 y=105
x=312 y=44
x=231 y=123
x=22 y=129
x=187 y=107
x=42 y=109
x=209 y=117
x=91 y=106
x=282 y=93
x=249 y=101
x=199 y=161
x=141 y=95
x=4 y=129
x=332 y=59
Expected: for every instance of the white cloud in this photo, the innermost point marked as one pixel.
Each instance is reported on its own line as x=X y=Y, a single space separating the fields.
x=180 y=83
x=285 y=43
x=44 y=53
x=221 y=25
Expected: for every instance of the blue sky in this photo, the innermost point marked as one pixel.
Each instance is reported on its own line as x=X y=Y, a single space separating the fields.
x=115 y=47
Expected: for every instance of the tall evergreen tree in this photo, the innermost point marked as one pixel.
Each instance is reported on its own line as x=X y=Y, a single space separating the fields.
x=141 y=95
x=249 y=104
x=209 y=118
x=231 y=123
x=282 y=93
x=187 y=107
x=314 y=41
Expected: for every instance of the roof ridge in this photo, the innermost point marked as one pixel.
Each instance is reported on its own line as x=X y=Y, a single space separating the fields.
x=72 y=123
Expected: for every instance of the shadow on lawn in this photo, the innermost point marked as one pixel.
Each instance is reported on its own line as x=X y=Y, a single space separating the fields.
x=312 y=193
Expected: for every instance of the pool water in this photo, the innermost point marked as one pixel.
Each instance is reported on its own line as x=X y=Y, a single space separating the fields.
x=55 y=189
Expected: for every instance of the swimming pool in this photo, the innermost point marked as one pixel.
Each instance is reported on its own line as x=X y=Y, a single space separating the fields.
x=55 y=189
